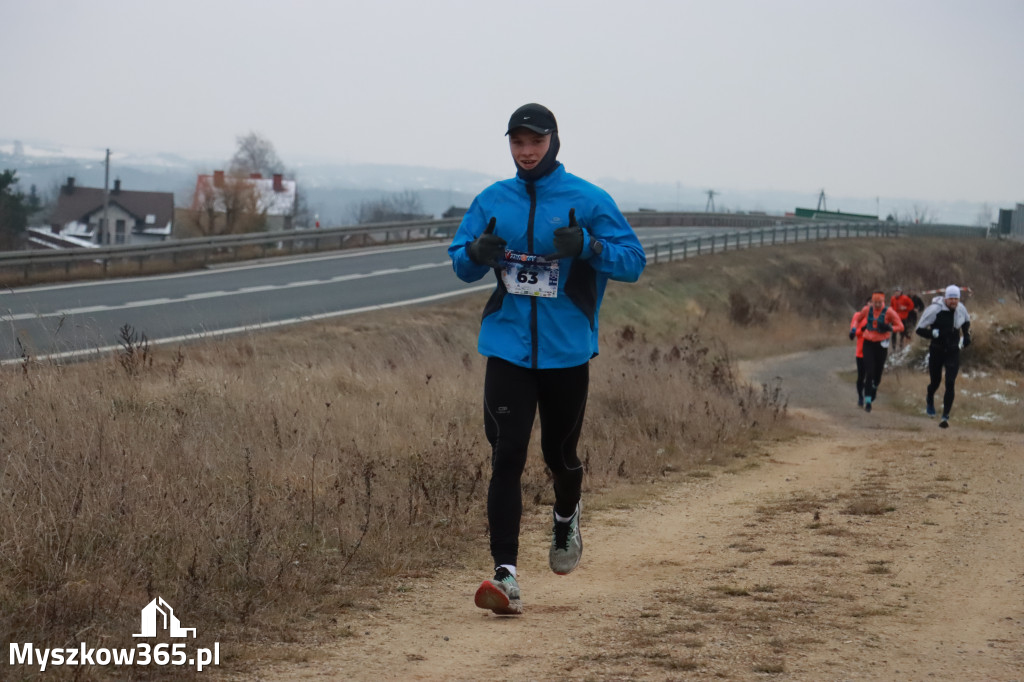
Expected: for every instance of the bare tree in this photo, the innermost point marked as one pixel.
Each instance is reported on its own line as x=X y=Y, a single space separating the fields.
x=302 y=215
x=923 y=214
x=984 y=218
x=407 y=204
x=404 y=205
x=255 y=154
x=229 y=208
x=918 y=214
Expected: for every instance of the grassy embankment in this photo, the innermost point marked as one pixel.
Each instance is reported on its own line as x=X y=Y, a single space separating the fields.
x=264 y=483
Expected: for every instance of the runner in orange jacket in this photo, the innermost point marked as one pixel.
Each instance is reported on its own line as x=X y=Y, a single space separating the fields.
x=879 y=322
x=904 y=306
x=857 y=332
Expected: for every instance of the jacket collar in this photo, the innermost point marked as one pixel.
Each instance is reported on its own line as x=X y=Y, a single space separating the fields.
x=557 y=172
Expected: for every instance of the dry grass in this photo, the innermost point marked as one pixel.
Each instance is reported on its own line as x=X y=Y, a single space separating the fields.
x=782 y=299
x=257 y=482
x=260 y=481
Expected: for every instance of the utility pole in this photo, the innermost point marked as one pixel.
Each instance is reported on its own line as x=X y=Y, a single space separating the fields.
x=104 y=230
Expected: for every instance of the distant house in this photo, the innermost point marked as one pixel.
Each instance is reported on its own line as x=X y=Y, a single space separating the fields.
x=132 y=216
x=1011 y=221
x=226 y=203
x=454 y=212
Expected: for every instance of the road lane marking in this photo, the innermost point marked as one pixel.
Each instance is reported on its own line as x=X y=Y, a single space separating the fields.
x=202 y=296
x=216 y=269
x=254 y=327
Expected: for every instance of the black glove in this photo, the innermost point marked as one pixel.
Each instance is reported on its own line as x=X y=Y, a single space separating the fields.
x=488 y=248
x=568 y=240
x=967 y=339
x=884 y=327
x=853 y=334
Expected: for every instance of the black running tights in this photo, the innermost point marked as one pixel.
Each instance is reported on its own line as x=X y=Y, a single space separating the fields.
x=939 y=359
x=512 y=396
x=860 y=377
x=874 y=365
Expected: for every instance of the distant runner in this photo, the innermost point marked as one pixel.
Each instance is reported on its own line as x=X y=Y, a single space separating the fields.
x=904 y=307
x=879 y=322
x=941 y=323
x=552 y=241
x=857 y=332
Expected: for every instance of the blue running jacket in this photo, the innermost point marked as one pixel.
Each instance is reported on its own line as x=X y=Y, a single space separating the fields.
x=548 y=332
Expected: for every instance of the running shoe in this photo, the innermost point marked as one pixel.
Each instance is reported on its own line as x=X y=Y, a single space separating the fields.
x=566 y=544
x=500 y=594
x=867 y=404
x=860 y=401
x=944 y=422
x=930 y=409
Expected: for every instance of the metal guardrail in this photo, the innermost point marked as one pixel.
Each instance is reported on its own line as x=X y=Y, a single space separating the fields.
x=790 y=234
x=226 y=248
x=223 y=247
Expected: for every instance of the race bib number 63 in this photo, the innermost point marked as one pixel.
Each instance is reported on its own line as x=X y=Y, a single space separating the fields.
x=525 y=274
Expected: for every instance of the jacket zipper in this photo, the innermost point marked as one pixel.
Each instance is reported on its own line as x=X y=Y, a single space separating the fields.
x=532 y=191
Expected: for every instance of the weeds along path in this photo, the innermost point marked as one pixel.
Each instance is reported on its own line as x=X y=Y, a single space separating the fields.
x=873 y=547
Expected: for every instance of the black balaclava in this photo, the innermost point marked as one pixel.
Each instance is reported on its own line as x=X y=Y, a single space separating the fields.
x=539 y=119
x=546 y=165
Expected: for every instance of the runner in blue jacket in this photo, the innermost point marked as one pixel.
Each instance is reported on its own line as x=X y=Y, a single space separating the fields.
x=553 y=241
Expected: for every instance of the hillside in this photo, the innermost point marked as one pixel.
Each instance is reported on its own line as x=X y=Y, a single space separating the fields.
x=333 y=189
x=313 y=498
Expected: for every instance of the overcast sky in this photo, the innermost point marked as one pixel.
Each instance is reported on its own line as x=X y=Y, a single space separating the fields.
x=891 y=98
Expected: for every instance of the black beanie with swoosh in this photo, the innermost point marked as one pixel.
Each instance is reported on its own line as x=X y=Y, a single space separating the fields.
x=539 y=119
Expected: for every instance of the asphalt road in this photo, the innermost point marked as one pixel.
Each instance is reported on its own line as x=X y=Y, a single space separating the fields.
x=84 y=318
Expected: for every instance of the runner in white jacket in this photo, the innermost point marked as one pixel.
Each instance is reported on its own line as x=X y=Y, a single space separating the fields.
x=942 y=323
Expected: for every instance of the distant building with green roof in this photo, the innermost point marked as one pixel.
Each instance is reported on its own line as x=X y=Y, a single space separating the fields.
x=816 y=214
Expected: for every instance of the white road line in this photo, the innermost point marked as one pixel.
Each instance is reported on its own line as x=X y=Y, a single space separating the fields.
x=218 y=294
x=215 y=270
x=255 y=327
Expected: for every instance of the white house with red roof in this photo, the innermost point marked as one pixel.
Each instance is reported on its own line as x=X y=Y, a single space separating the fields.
x=274 y=198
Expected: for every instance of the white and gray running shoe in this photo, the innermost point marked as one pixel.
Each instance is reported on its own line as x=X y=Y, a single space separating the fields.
x=566 y=544
x=500 y=594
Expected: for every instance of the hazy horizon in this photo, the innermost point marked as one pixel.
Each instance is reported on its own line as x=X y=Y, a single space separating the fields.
x=334 y=191
x=906 y=97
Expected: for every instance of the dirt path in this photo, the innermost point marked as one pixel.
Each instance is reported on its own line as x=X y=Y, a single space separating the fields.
x=877 y=547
